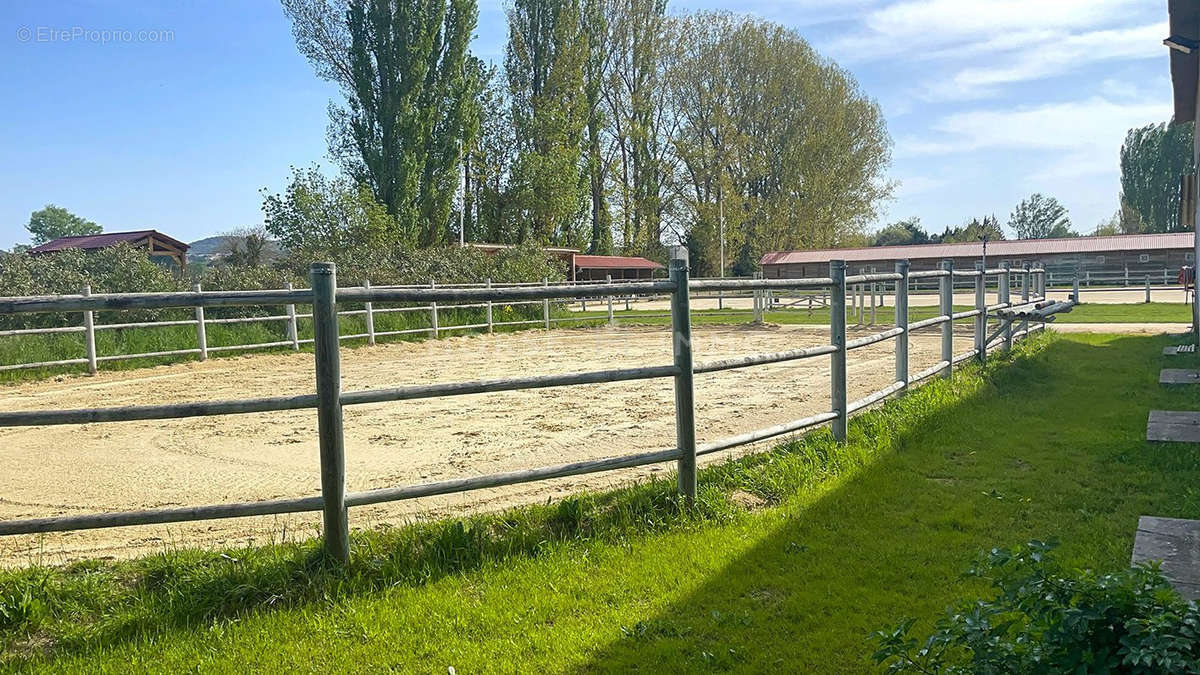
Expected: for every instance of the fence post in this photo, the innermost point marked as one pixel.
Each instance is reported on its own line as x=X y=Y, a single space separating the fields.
x=546 y=306
x=837 y=338
x=1075 y=289
x=433 y=311
x=329 y=411
x=685 y=411
x=1147 y=289
x=608 y=279
x=489 y=309
x=89 y=334
x=902 y=322
x=757 y=298
x=873 y=303
x=369 y=307
x=947 y=310
x=981 y=317
x=292 y=328
x=201 y=331
x=1005 y=297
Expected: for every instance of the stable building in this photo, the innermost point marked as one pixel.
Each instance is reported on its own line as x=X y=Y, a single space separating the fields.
x=1131 y=256
x=616 y=267
x=167 y=251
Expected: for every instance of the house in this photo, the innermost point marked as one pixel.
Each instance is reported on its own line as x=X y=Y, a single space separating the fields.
x=161 y=248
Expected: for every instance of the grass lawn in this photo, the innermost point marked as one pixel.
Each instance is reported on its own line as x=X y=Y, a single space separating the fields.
x=789 y=561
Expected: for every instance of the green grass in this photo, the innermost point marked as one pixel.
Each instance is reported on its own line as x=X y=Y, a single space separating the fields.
x=787 y=563
x=1154 y=312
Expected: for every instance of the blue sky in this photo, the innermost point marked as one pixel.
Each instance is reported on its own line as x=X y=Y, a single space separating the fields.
x=987 y=102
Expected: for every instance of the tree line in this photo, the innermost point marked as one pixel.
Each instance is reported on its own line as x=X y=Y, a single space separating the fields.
x=610 y=126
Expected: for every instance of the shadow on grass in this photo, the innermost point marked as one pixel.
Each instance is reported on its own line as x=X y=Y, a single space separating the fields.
x=1053 y=447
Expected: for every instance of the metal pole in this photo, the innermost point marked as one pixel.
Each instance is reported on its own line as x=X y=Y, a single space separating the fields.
x=837 y=337
x=608 y=278
x=685 y=412
x=1025 y=297
x=947 y=309
x=201 y=331
x=902 y=322
x=981 y=317
x=89 y=334
x=329 y=411
x=369 y=307
x=433 y=312
x=546 y=306
x=489 y=310
x=293 y=333
x=1005 y=297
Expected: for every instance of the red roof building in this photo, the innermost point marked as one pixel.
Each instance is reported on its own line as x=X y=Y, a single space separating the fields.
x=602 y=267
x=158 y=245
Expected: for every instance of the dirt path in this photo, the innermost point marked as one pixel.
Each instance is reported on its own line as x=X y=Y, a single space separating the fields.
x=127 y=465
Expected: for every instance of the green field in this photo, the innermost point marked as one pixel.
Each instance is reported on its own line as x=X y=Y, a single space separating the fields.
x=789 y=561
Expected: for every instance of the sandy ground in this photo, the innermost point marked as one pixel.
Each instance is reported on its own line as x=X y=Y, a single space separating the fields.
x=126 y=465
x=1123 y=328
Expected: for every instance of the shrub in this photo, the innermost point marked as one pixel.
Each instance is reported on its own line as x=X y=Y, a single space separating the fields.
x=1045 y=619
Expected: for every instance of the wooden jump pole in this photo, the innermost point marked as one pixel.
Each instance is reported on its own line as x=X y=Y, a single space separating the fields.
x=946 y=308
x=981 y=317
x=201 y=331
x=89 y=334
x=370 y=313
x=329 y=412
x=685 y=408
x=1005 y=297
x=902 y=268
x=837 y=337
x=293 y=331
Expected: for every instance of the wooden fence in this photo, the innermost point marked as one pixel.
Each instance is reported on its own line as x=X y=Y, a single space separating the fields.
x=329 y=400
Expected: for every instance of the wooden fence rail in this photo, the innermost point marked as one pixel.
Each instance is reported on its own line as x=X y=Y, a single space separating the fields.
x=329 y=400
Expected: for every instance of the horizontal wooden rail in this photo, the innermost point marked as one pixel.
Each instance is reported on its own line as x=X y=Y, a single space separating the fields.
x=873 y=338
x=762 y=359
x=931 y=321
x=762 y=284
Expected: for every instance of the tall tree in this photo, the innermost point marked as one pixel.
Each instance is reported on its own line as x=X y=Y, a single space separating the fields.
x=973 y=230
x=401 y=65
x=1040 y=217
x=546 y=54
x=488 y=163
x=905 y=232
x=597 y=25
x=1153 y=160
x=52 y=222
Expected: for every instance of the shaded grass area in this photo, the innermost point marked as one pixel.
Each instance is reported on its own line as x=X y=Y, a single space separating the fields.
x=789 y=560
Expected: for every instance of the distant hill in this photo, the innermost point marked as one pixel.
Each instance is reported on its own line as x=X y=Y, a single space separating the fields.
x=210 y=248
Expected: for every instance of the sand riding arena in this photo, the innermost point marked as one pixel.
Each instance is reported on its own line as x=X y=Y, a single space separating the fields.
x=117 y=466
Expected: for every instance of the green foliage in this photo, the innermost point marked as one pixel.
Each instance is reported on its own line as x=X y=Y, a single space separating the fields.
x=317 y=213
x=1044 y=618
x=972 y=231
x=1153 y=159
x=1040 y=217
x=52 y=222
x=411 y=99
x=901 y=234
x=544 y=62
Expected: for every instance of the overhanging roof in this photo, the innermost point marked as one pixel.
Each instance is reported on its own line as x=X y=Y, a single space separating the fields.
x=94 y=241
x=614 y=262
x=1000 y=248
x=1185 y=57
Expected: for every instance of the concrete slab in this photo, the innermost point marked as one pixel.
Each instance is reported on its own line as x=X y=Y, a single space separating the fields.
x=1176 y=542
x=1178 y=376
x=1173 y=426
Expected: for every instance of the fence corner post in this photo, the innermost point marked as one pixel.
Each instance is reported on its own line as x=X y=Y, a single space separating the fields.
x=685 y=409
x=946 y=307
x=1005 y=298
x=837 y=337
x=546 y=306
x=89 y=333
x=1147 y=289
x=981 y=313
x=329 y=412
x=293 y=331
x=369 y=307
x=201 y=331
x=901 y=307
x=1075 y=289
x=488 y=306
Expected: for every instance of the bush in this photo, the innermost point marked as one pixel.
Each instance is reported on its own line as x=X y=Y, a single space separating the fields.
x=1045 y=619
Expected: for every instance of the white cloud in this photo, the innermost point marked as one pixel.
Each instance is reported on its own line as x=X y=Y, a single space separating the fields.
x=1082 y=137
